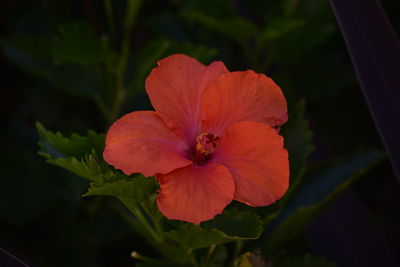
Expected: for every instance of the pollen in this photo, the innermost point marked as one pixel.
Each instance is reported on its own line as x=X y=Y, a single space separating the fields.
x=206 y=144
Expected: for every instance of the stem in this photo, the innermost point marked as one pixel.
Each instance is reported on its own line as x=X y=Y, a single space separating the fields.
x=238 y=249
x=137 y=226
x=154 y=220
x=110 y=20
x=188 y=258
x=135 y=209
x=209 y=254
x=142 y=227
x=145 y=259
x=102 y=106
x=131 y=12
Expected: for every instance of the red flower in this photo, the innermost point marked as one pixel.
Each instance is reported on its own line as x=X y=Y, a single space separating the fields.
x=210 y=140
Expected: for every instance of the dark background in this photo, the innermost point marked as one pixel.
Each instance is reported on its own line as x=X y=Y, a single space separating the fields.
x=44 y=221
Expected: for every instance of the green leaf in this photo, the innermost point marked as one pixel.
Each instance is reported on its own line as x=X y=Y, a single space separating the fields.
x=55 y=145
x=78 y=154
x=298 y=142
x=299 y=43
x=144 y=61
x=237 y=224
x=279 y=27
x=306 y=260
x=134 y=188
x=314 y=196
x=76 y=42
x=235 y=28
x=33 y=55
x=193 y=236
x=228 y=227
x=78 y=167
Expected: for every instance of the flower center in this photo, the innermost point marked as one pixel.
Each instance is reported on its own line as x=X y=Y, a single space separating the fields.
x=206 y=143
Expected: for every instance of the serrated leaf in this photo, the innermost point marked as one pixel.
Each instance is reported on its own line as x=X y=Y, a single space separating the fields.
x=33 y=56
x=77 y=154
x=227 y=227
x=135 y=188
x=313 y=197
x=76 y=42
x=78 y=167
x=306 y=260
x=55 y=145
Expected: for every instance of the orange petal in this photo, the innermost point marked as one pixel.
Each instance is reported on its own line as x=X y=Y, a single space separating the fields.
x=254 y=154
x=175 y=88
x=195 y=193
x=141 y=142
x=242 y=96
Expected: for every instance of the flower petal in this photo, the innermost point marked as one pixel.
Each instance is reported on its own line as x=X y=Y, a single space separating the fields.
x=242 y=96
x=141 y=142
x=254 y=154
x=195 y=193
x=175 y=88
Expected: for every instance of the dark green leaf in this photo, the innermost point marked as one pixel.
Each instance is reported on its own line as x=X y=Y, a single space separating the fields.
x=296 y=45
x=144 y=261
x=193 y=236
x=305 y=261
x=290 y=7
x=76 y=42
x=144 y=61
x=135 y=188
x=278 y=28
x=313 y=197
x=33 y=56
x=237 y=224
x=322 y=180
x=230 y=226
x=298 y=142
x=235 y=28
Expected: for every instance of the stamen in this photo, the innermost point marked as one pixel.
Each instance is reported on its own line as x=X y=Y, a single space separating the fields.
x=206 y=143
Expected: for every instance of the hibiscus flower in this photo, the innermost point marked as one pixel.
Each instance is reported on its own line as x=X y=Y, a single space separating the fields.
x=212 y=139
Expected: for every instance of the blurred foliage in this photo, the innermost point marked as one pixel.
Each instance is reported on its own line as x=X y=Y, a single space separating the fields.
x=316 y=192
x=77 y=66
